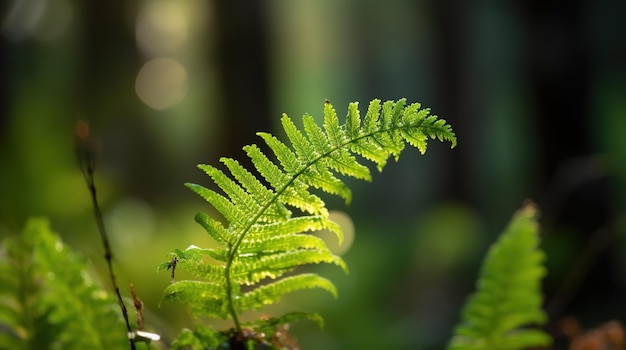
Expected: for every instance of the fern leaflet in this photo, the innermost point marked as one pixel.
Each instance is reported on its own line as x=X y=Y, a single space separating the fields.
x=509 y=298
x=263 y=242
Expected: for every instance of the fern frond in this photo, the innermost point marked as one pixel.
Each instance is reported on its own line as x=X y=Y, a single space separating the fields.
x=509 y=297
x=202 y=297
x=215 y=229
x=251 y=269
x=49 y=299
x=192 y=260
x=271 y=293
x=260 y=233
x=261 y=241
x=200 y=338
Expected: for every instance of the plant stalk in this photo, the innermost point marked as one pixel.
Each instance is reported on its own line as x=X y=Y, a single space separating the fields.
x=85 y=147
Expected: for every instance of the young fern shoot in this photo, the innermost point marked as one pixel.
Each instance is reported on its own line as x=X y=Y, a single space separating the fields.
x=506 y=308
x=262 y=240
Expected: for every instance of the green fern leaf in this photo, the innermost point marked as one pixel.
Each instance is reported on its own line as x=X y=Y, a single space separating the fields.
x=49 y=299
x=508 y=299
x=261 y=233
x=192 y=260
x=253 y=268
x=214 y=229
x=202 y=297
x=201 y=338
x=271 y=293
x=262 y=243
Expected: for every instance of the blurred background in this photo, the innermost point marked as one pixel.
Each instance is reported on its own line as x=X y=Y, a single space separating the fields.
x=535 y=91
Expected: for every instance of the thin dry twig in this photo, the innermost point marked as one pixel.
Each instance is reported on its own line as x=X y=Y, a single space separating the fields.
x=86 y=152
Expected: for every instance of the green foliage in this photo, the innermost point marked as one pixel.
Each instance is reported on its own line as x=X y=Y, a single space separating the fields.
x=265 y=333
x=263 y=242
x=509 y=298
x=49 y=299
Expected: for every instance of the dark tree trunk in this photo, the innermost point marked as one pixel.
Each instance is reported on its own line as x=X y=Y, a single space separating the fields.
x=242 y=63
x=450 y=23
x=577 y=196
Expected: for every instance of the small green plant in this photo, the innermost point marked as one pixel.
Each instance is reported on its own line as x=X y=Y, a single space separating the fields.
x=508 y=299
x=263 y=241
x=49 y=298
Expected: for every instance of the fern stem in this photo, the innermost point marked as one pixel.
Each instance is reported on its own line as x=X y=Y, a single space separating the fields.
x=229 y=293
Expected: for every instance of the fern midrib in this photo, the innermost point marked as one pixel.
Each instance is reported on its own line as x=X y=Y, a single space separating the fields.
x=255 y=218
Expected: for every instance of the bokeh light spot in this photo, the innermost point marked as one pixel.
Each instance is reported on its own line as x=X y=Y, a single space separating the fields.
x=161 y=28
x=43 y=20
x=347 y=226
x=132 y=224
x=161 y=83
x=22 y=17
x=57 y=20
